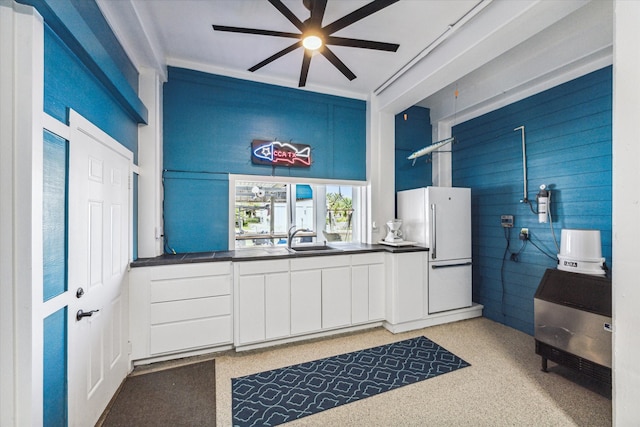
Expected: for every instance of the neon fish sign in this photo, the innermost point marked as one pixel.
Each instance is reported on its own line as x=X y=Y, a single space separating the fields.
x=276 y=153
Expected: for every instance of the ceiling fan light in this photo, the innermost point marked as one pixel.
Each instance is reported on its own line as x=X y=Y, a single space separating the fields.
x=312 y=42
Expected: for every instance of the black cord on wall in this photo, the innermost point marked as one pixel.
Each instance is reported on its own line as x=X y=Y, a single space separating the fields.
x=513 y=256
x=507 y=235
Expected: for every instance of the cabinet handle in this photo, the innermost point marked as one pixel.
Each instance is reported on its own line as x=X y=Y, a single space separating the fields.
x=462 y=264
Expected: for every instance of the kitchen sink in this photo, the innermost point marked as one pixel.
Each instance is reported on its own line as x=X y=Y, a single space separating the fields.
x=314 y=248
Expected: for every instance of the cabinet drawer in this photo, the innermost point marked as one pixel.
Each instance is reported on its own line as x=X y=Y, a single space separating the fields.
x=174 y=311
x=191 y=334
x=189 y=287
x=362 y=259
x=165 y=272
x=263 y=267
x=318 y=262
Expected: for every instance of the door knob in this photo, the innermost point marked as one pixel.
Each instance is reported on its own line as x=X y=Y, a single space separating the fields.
x=80 y=314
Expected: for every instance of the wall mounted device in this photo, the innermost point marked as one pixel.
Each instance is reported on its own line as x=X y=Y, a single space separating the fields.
x=506 y=221
x=542 y=198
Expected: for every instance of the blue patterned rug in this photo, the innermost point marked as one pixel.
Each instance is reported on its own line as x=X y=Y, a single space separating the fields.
x=274 y=397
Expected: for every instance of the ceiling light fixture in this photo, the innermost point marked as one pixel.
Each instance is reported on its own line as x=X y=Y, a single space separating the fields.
x=312 y=42
x=316 y=37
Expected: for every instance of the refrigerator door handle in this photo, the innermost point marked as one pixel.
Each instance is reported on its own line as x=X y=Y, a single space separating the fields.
x=462 y=264
x=432 y=248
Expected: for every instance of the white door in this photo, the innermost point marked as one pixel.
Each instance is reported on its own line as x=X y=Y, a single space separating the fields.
x=99 y=200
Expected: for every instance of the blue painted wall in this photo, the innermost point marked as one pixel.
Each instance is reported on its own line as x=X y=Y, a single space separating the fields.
x=196 y=211
x=54 y=230
x=110 y=48
x=209 y=123
x=568 y=147
x=55 y=369
x=85 y=32
x=411 y=134
x=69 y=84
x=54 y=215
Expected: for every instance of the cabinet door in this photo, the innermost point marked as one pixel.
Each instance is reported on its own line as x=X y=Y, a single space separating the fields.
x=410 y=285
x=277 y=305
x=336 y=297
x=306 y=300
x=360 y=293
x=251 y=319
x=376 y=292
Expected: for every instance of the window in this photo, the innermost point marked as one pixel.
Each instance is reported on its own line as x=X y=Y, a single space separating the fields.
x=339 y=213
x=264 y=211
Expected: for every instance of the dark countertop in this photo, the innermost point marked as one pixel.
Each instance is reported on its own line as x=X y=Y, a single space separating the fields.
x=270 y=252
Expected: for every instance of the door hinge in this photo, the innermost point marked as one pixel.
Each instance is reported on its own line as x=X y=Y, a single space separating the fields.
x=129 y=347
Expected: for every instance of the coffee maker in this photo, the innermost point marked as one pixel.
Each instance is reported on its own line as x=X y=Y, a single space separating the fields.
x=395 y=234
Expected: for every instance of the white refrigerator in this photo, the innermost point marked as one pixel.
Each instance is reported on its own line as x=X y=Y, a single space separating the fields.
x=440 y=219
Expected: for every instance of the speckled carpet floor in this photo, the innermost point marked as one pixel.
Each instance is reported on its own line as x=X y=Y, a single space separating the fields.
x=504 y=385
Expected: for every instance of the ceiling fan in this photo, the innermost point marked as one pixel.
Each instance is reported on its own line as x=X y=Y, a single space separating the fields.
x=314 y=36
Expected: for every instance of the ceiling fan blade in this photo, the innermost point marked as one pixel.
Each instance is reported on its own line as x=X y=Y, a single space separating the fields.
x=306 y=61
x=358 y=14
x=317 y=12
x=276 y=56
x=337 y=62
x=365 y=44
x=255 y=31
x=288 y=14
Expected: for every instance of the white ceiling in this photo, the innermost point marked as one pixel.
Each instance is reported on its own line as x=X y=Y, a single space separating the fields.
x=157 y=33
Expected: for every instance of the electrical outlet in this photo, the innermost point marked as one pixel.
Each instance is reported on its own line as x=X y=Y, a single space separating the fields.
x=506 y=221
x=524 y=234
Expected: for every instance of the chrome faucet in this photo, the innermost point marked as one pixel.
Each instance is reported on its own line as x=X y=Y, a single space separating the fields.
x=291 y=234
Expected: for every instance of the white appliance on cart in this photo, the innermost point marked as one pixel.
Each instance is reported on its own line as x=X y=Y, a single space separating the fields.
x=440 y=219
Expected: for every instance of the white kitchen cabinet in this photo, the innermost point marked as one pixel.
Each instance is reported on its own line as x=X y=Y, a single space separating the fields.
x=359 y=293
x=320 y=293
x=306 y=301
x=286 y=300
x=376 y=292
x=250 y=325
x=262 y=303
x=187 y=309
x=179 y=308
x=407 y=287
x=277 y=305
x=336 y=297
x=367 y=287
